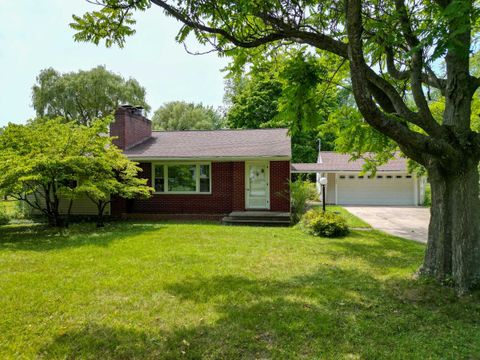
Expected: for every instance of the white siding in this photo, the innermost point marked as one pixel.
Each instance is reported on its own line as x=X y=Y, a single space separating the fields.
x=81 y=206
x=330 y=188
x=383 y=189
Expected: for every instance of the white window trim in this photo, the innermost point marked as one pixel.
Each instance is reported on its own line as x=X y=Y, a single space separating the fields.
x=197 y=180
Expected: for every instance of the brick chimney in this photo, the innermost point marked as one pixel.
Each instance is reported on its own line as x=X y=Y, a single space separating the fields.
x=130 y=127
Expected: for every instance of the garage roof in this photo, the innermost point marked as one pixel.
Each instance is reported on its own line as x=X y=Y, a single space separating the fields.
x=336 y=162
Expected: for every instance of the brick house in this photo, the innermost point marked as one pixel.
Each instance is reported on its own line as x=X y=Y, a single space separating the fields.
x=203 y=174
x=240 y=176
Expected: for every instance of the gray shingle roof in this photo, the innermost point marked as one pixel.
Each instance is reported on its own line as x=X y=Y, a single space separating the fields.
x=214 y=144
x=332 y=161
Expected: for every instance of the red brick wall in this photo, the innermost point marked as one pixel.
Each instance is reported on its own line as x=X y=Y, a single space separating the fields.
x=218 y=202
x=118 y=206
x=130 y=128
x=228 y=193
x=238 y=195
x=279 y=187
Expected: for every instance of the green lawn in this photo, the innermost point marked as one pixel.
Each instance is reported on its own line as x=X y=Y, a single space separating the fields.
x=352 y=220
x=168 y=291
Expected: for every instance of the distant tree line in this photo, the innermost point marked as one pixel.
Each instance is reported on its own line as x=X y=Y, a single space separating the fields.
x=280 y=92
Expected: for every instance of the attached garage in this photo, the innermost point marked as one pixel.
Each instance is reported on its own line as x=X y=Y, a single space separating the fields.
x=348 y=185
x=378 y=190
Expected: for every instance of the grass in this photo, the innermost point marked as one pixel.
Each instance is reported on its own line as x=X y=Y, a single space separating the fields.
x=169 y=291
x=352 y=220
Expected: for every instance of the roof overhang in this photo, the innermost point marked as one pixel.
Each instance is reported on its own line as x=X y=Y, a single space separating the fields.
x=312 y=171
x=208 y=158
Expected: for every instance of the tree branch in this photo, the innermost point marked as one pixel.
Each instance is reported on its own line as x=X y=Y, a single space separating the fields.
x=412 y=143
x=428 y=77
x=282 y=30
x=392 y=69
x=416 y=76
x=218 y=31
x=427 y=123
x=314 y=39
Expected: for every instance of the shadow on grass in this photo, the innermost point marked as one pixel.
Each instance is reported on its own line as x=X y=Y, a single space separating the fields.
x=95 y=341
x=329 y=313
x=333 y=311
x=39 y=237
x=378 y=249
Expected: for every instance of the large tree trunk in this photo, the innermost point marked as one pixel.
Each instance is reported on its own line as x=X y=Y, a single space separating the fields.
x=55 y=219
x=453 y=249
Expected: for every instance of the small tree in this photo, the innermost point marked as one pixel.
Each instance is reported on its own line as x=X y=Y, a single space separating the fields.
x=112 y=174
x=40 y=163
x=49 y=161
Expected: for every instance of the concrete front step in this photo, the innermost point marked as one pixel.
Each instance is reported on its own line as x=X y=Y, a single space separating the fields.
x=233 y=221
x=271 y=218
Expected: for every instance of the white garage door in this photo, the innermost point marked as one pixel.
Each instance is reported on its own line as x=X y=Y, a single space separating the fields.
x=380 y=190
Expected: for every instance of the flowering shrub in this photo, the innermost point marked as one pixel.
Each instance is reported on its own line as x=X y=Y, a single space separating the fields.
x=327 y=224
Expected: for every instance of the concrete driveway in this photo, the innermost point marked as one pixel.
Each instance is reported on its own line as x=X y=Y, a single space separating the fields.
x=404 y=221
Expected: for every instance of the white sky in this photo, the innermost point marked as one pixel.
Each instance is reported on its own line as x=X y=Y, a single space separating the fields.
x=35 y=35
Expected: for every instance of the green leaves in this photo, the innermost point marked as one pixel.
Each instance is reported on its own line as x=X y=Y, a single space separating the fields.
x=288 y=89
x=354 y=136
x=112 y=174
x=300 y=101
x=180 y=115
x=107 y=24
x=84 y=95
x=49 y=159
x=401 y=50
x=113 y=23
x=253 y=100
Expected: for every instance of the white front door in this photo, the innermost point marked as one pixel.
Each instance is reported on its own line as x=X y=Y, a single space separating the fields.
x=257 y=185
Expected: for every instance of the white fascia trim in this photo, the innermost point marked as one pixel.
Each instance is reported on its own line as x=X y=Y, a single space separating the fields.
x=210 y=159
x=347 y=171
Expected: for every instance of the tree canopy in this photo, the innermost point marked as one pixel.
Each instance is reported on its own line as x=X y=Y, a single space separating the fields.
x=50 y=163
x=395 y=50
x=252 y=99
x=180 y=115
x=84 y=95
x=280 y=93
x=108 y=175
x=40 y=163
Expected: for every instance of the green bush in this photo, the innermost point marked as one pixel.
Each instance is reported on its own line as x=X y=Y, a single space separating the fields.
x=300 y=193
x=22 y=211
x=427 y=201
x=327 y=224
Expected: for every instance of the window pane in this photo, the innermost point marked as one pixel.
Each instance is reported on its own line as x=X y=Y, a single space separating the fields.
x=159 y=183
x=182 y=178
x=204 y=178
